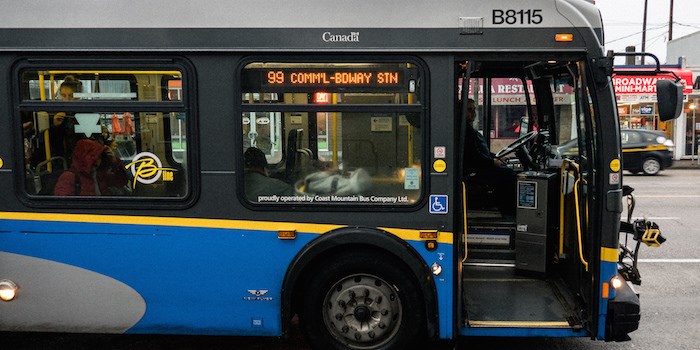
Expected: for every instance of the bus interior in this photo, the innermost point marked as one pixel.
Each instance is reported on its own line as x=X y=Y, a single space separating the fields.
x=527 y=268
x=151 y=120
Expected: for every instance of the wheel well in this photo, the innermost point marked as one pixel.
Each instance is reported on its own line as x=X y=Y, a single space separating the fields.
x=322 y=250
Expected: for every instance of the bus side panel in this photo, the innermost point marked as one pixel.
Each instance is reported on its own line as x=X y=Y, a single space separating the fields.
x=216 y=283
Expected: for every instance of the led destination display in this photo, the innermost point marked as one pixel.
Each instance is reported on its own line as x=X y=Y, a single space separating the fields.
x=328 y=79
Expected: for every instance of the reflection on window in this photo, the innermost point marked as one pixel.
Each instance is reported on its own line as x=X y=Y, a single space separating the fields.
x=140 y=154
x=366 y=155
x=355 y=151
x=96 y=151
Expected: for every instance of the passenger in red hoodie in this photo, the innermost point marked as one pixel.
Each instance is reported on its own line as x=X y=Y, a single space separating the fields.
x=98 y=170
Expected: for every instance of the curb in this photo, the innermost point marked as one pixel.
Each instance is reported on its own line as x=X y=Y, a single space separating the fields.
x=685 y=164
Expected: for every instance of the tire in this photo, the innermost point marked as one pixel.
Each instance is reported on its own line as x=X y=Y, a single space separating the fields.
x=362 y=300
x=651 y=166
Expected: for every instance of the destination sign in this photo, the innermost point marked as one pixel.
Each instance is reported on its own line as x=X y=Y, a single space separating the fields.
x=328 y=79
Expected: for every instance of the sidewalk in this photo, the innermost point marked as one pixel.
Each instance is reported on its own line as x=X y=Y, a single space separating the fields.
x=685 y=164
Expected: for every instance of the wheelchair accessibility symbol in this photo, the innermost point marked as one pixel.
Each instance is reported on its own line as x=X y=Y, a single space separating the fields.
x=438 y=204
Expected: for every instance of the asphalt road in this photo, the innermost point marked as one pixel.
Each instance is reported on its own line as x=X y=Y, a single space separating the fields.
x=670 y=291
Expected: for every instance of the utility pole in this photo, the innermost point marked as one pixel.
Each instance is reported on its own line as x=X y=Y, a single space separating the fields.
x=644 y=30
x=670 y=23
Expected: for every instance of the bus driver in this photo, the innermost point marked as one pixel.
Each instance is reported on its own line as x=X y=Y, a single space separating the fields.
x=482 y=168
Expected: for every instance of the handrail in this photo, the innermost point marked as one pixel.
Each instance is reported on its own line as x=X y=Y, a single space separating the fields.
x=106 y=71
x=578 y=224
x=562 y=171
x=576 y=169
x=464 y=219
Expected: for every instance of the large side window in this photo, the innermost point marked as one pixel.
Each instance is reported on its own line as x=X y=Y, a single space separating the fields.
x=332 y=132
x=104 y=132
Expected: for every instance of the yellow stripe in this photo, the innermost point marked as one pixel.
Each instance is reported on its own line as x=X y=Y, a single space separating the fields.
x=647 y=148
x=608 y=254
x=521 y=324
x=405 y=234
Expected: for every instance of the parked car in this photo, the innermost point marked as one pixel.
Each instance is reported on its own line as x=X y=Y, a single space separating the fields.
x=644 y=151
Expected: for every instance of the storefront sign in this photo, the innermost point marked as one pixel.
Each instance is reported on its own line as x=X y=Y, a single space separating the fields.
x=511 y=91
x=646 y=84
x=641 y=98
x=646 y=109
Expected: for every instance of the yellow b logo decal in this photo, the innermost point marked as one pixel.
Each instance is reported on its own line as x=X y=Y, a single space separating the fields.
x=147 y=169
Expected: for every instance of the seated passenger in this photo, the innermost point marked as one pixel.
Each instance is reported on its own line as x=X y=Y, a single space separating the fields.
x=257 y=180
x=97 y=169
x=481 y=166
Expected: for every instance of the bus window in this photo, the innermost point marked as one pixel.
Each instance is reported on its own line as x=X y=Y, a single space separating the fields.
x=572 y=102
x=263 y=130
x=144 y=146
x=353 y=136
x=101 y=85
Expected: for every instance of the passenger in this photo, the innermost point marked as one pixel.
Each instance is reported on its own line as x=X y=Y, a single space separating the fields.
x=69 y=87
x=60 y=134
x=56 y=141
x=97 y=168
x=257 y=180
x=481 y=166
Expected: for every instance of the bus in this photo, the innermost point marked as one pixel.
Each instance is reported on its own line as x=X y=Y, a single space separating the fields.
x=221 y=168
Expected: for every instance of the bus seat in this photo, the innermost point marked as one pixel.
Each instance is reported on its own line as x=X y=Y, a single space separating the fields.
x=480 y=196
x=291 y=161
x=44 y=176
x=306 y=161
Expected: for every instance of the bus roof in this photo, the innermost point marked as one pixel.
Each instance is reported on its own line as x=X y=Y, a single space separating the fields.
x=447 y=24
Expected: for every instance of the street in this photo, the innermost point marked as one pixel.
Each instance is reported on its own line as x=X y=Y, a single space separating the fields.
x=670 y=291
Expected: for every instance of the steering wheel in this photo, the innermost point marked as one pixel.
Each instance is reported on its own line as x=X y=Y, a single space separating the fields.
x=519 y=142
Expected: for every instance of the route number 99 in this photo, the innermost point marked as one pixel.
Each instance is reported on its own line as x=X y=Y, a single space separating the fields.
x=275 y=77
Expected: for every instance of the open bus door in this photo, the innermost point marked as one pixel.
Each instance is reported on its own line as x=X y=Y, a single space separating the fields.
x=545 y=270
x=527 y=272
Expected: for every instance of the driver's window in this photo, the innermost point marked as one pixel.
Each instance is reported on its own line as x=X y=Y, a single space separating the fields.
x=509 y=113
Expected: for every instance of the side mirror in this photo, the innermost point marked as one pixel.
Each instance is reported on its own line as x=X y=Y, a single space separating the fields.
x=669 y=95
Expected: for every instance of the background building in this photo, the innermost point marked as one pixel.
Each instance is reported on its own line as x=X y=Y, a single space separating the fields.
x=686 y=50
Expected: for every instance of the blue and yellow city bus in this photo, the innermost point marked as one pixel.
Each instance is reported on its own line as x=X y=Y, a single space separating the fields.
x=184 y=167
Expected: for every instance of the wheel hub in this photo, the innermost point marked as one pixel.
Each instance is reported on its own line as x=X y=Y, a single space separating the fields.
x=362 y=313
x=363 y=310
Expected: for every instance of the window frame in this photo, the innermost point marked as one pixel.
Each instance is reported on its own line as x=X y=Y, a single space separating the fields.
x=422 y=109
x=186 y=105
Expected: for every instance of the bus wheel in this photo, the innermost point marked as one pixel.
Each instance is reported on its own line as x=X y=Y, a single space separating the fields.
x=363 y=300
x=651 y=166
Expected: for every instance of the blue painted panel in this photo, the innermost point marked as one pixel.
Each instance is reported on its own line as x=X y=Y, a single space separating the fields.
x=194 y=280
x=443 y=283
x=607 y=272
